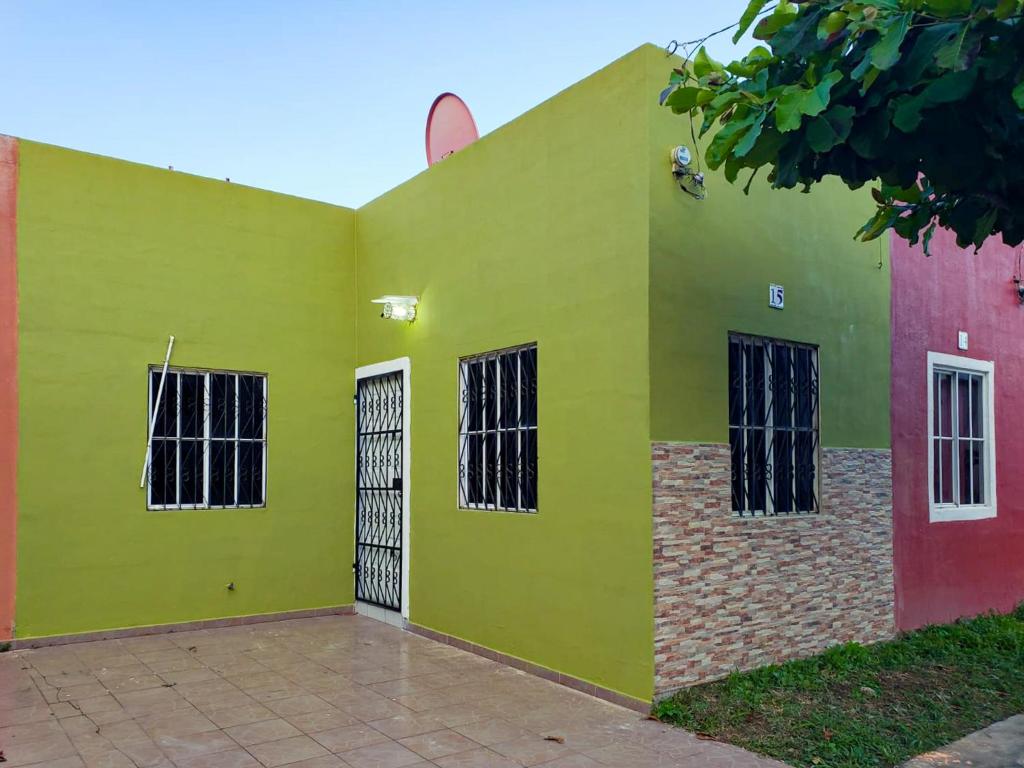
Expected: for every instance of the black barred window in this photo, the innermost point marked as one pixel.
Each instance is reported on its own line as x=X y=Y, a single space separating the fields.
x=209 y=440
x=498 y=430
x=773 y=426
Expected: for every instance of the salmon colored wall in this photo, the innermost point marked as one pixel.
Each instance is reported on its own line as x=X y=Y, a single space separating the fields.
x=8 y=381
x=950 y=569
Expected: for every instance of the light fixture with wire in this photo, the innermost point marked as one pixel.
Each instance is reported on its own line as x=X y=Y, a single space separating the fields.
x=398 y=307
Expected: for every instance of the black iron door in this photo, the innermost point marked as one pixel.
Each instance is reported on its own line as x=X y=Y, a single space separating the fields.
x=379 y=490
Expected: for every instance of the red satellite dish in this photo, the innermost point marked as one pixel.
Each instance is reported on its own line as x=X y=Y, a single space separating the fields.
x=450 y=127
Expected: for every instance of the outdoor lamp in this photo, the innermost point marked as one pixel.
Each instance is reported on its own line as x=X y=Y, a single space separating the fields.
x=398 y=307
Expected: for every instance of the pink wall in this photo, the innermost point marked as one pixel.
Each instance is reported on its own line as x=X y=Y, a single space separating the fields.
x=8 y=381
x=949 y=569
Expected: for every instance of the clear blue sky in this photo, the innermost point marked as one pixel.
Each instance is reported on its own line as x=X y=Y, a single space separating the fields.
x=317 y=98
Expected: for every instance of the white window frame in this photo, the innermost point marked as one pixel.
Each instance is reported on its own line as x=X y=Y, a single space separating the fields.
x=951 y=511
x=206 y=439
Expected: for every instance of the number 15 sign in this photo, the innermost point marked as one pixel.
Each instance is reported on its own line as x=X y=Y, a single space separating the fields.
x=776 y=296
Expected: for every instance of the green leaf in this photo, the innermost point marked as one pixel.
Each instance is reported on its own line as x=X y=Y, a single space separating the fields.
x=946 y=8
x=1007 y=8
x=784 y=13
x=704 y=65
x=1018 y=95
x=957 y=53
x=744 y=145
x=752 y=63
x=749 y=14
x=886 y=51
x=831 y=24
x=684 y=99
x=949 y=88
x=984 y=227
x=830 y=129
x=727 y=138
x=796 y=102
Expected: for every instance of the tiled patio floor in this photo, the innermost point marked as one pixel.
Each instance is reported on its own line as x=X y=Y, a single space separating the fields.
x=314 y=693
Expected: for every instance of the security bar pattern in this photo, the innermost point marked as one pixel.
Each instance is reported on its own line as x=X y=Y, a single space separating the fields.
x=379 y=491
x=498 y=430
x=209 y=441
x=773 y=426
x=958 y=438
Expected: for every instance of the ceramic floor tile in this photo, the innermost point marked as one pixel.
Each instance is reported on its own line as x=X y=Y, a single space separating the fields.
x=438 y=744
x=387 y=754
x=265 y=730
x=275 y=753
x=349 y=737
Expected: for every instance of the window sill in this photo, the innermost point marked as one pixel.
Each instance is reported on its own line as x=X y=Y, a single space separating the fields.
x=950 y=513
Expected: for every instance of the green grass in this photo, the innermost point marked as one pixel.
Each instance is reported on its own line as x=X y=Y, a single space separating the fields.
x=856 y=706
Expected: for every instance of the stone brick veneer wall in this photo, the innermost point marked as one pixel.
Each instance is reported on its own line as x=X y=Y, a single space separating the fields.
x=736 y=593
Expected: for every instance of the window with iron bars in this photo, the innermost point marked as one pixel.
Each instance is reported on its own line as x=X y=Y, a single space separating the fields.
x=209 y=441
x=498 y=430
x=773 y=426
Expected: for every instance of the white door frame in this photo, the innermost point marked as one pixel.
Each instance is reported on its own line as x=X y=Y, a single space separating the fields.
x=402 y=364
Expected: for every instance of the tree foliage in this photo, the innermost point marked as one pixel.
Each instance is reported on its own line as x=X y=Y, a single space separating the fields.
x=925 y=97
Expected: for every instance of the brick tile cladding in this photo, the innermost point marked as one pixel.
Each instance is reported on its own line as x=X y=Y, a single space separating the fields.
x=734 y=593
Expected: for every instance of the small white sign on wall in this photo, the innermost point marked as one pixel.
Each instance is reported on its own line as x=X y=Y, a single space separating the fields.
x=961 y=340
x=776 y=296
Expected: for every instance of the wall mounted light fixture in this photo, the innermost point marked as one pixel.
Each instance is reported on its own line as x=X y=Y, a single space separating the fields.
x=398 y=307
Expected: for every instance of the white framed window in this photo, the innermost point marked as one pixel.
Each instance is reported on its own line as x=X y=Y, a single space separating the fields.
x=498 y=430
x=961 y=438
x=209 y=440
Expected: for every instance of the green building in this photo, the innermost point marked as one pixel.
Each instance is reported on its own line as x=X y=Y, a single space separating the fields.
x=599 y=452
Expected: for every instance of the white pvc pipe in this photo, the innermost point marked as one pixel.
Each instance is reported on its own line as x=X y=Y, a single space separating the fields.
x=156 y=410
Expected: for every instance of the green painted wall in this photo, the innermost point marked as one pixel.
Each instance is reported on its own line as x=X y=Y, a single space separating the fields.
x=113 y=257
x=711 y=264
x=538 y=232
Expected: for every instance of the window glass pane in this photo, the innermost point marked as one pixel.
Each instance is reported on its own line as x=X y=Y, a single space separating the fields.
x=977 y=472
x=490 y=394
x=963 y=404
x=782 y=387
x=944 y=404
x=946 y=477
x=528 y=386
x=735 y=382
x=757 y=471
x=490 y=467
x=508 y=470
x=222 y=405
x=250 y=473
x=163 y=473
x=191 y=467
x=166 y=424
x=804 y=389
x=736 y=449
x=474 y=396
x=191 y=390
x=250 y=407
x=782 y=473
x=964 y=457
x=508 y=364
x=474 y=469
x=222 y=473
x=977 y=407
x=806 y=471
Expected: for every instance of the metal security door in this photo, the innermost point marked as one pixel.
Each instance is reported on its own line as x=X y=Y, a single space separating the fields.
x=379 y=437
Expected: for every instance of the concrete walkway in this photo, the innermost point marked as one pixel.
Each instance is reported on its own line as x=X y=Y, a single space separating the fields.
x=328 y=692
x=1001 y=745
